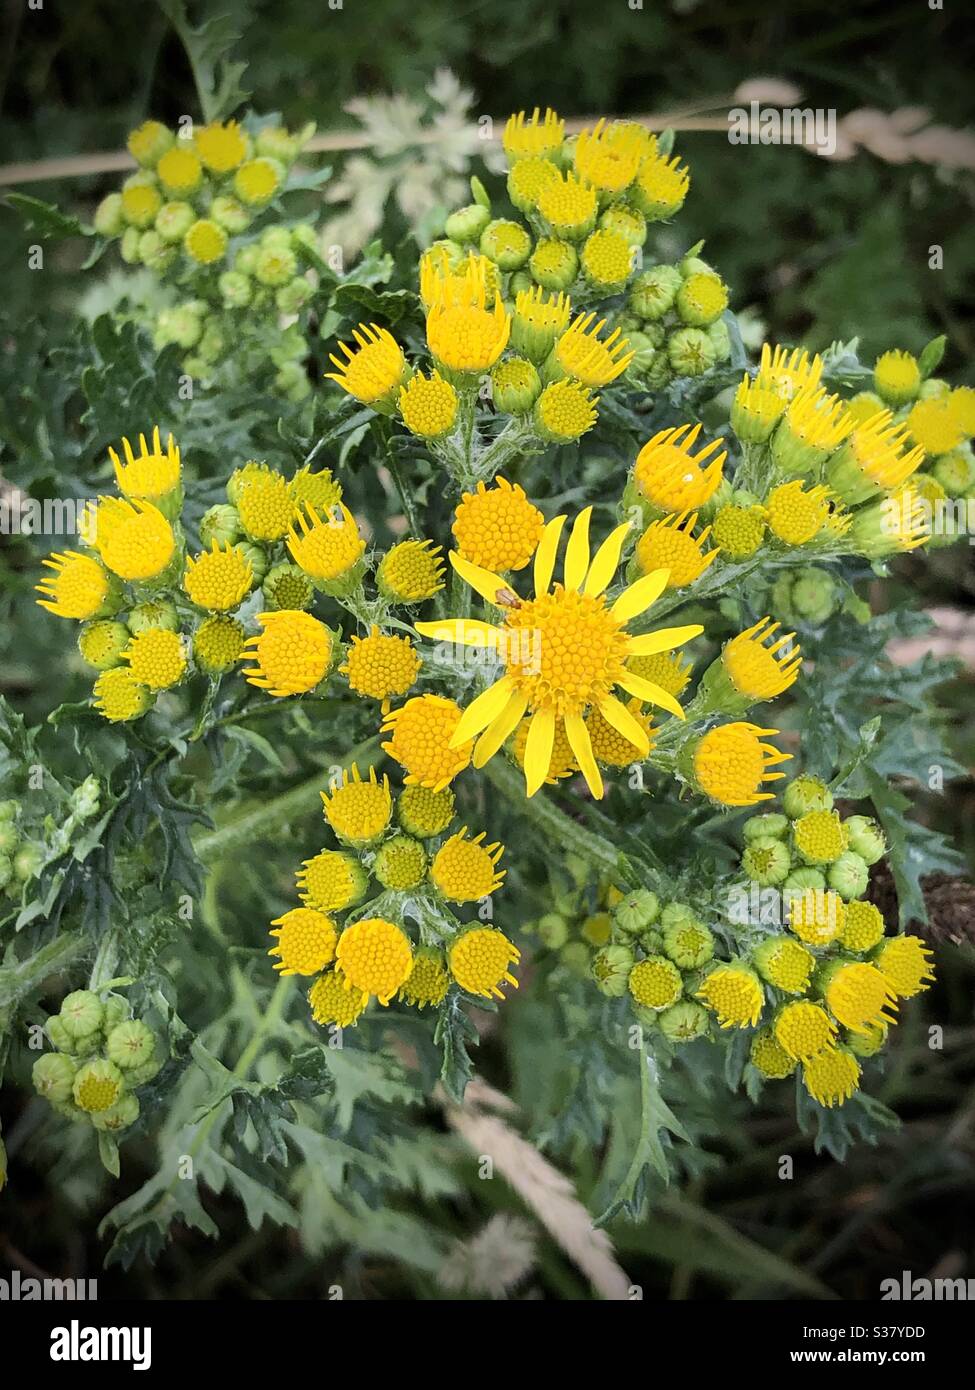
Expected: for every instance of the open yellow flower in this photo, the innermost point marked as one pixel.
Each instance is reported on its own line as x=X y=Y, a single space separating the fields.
x=79 y=587
x=374 y=370
x=463 y=334
x=564 y=651
x=758 y=670
x=670 y=544
x=292 y=652
x=153 y=473
x=671 y=477
x=875 y=458
x=608 y=156
x=595 y=361
x=537 y=136
x=789 y=372
x=134 y=539
x=497 y=527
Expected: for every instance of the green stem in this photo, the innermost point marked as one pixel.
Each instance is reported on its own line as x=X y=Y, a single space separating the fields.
x=405 y=495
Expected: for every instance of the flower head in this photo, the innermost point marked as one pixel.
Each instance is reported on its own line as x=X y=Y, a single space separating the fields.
x=789 y=372
x=730 y=763
x=875 y=458
x=769 y=1057
x=803 y=1029
x=265 y=504
x=609 y=746
x=257 y=181
x=220 y=578
x=305 y=941
x=670 y=544
x=152 y=474
x=820 y=836
x=934 y=425
x=463 y=333
x=358 y=811
x=606 y=260
x=205 y=241
x=425 y=813
x=785 y=964
x=479 y=961
x=428 y=981
x=661 y=186
x=78 y=588
x=180 y=171
x=582 y=354
x=538 y=320
x=428 y=405
x=102 y=642
x=671 y=477
x=670 y=670
x=401 y=863
x=381 y=665
x=831 y=1076
x=858 y=994
x=815 y=916
x=375 y=956
x=292 y=653
x=497 y=527
x=814 y=424
x=221 y=147
x=564 y=651
x=319 y=490
x=608 y=156
x=897 y=376
x=905 y=963
x=733 y=992
x=327 y=547
x=156 y=657
x=97 y=1085
x=757 y=669
x=119 y=697
x=515 y=386
x=901 y=521
x=796 y=514
x=738 y=531
x=565 y=411
x=465 y=870
x=134 y=539
x=411 y=571
x=148 y=142
x=334 y=1001
x=537 y=136
x=757 y=408
x=863 y=926
x=374 y=370
x=527 y=178
x=331 y=881
x=568 y=206
x=422 y=737
x=655 y=982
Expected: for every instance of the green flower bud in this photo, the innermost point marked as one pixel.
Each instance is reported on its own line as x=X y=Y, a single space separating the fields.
x=173 y=221
x=97 y=1085
x=767 y=861
x=275 y=142
x=116 y=1011
x=180 y=325
x=610 y=969
x=801 y=880
x=637 y=910
x=466 y=224
x=701 y=299
x=652 y=941
x=58 y=1034
x=805 y=794
x=108 y=220
x=258 y=560
x=27 y=861
x=292 y=381
x=130 y=1044
x=770 y=825
x=869 y=1042
x=218 y=643
x=676 y=912
x=644 y=355
x=139 y=1076
x=292 y=297
x=81 y=1013
x=684 y=1021
x=288 y=587
x=849 y=876
x=102 y=642
x=154 y=253
x=515 y=386
x=553 y=931
x=690 y=352
x=153 y=613
x=554 y=264
x=783 y=962
x=9 y=838
x=53 y=1076
x=866 y=838
x=119 y=1116
x=236 y=289
x=291 y=346
x=693 y=264
x=955 y=471
x=129 y=245
x=688 y=943
x=627 y=222
x=304 y=236
x=575 y=957
x=149 y=142
x=6 y=869
x=230 y=214
x=809 y=595
x=219 y=523
x=212 y=345
x=86 y=798
x=653 y=292
x=276 y=265
x=246 y=258
x=720 y=339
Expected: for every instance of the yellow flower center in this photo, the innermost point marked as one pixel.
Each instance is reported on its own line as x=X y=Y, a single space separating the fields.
x=420 y=733
x=662 y=184
x=293 y=652
x=803 y=1029
x=739 y=531
x=789 y=966
x=566 y=409
x=609 y=746
x=468 y=337
x=219 y=578
x=325 y=547
x=858 y=994
x=564 y=649
x=497 y=528
x=375 y=956
x=607 y=258
x=334 y=1001
x=156 y=658
x=794 y=515
x=179 y=170
x=118 y=695
x=671 y=672
x=423 y=812
x=527 y=179
x=655 y=982
x=319 y=490
x=897 y=373
x=96 y=1092
x=381 y=665
x=671 y=545
x=265 y=504
x=479 y=961
x=306 y=941
x=427 y=984
x=770 y=1057
x=904 y=961
x=863 y=926
x=221 y=147
x=428 y=405
x=256 y=181
x=150 y=474
x=562 y=763
x=567 y=205
x=140 y=203
x=935 y=426
x=820 y=836
x=673 y=479
x=734 y=995
x=205 y=242
x=412 y=571
x=464 y=871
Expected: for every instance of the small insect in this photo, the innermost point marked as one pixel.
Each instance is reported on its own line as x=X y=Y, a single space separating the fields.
x=507 y=598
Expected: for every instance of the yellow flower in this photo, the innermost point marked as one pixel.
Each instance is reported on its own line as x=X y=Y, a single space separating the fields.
x=428 y=405
x=527 y=178
x=857 y=995
x=734 y=993
x=381 y=665
x=606 y=260
x=463 y=334
x=670 y=544
x=832 y=1076
x=334 y=1001
x=769 y=1057
x=655 y=982
x=538 y=320
x=820 y=836
x=762 y=672
x=331 y=881
x=219 y=578
x=265 y=505
x=863 y=926
x=411 y=571
x=134 y=539
x=118 y=695
x=814 y=424
x=789 y=372
x=327 y=547
x=816 y=917
x=702 y=298
x=428 y=981
x=305 y=941
x=795 y=515
x=497 y=527
x=595 y=361
x=934 y=425
x=374 y=370
x=153 y=473
x=479 y=961
x=661 y=186
x=785 y=964
x=292 y=652
x=875 y=458
x=375 y=956
x=962 y=403
x=320 y=490
x=140 y=204
x=423 y=812
x=156 y=657
x=445 y=279
x=536 y=137
x=897 y=376
x=608 y=156
x=730 y=763
x=670 y=477
x=561 y=764
x=79 y=587
x=257 y=181
x=148 y=141
x=205 y=242
x=97 y=1086
x=900 y=521
x=464 y=870
x=670 y=670
x=221 y=147
x=180 y=171
x=563 y=651
x=905 y=963
x=565 y=411
x=738 y=531
x=568 y=206
x=423 y=740
x=757 y=408
x=609 y=746
x=358 y=811
x=803 y=1029
x=401 y=863
x=863 y=407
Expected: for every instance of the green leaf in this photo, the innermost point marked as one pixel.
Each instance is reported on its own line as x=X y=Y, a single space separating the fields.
x=108 y=1153
x=45 y=220
x=455 y=1033
x=931 y=355
x=217 y=78
x=649 y=1155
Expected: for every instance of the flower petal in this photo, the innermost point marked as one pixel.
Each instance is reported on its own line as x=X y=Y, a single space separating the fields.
x=500 y=729
x=577 y=551
x=581 y=745
x=538 y=749
x=606 y=560
x=664 y=640
x=548 y=546
x=623 y=722
x=482 y=711
x=639 y=596
x=482 y=581
x=469 y=632
x=653 y=694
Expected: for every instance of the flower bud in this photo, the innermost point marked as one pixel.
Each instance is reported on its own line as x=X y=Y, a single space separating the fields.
x=805 y=794
x=515 y=386
x=173 y=221
x=116 y=1011
x=291 y=380
x=720 y=339
x=767 y=861
x=636 y=911
x=219 y=523
x=119 y=1116
x=101 y=643
x=849 y=876
x=897 y=377
x=154 y=253
x=81 y=1013
x=868 y=1042
x=554 y=264
x=229 y=214
x=575 y=957
x=130 y=1044
x=955 y=471
x=139 y=1076
x=653 y=293
x=684 y=1021
x=808 y=595
x=108 y=219
x=803 y=880
x=644 y=355
x=149 y=142
x=180 y=325
x=466 y=224
x=627 y=222
x=276 y=265
x=97 y=1085
x=288 y=587
x=153 y=613
x=866 y=838
x=610 y=970
x=690 y=352
x=769 y=825
x=768 y=1056
x=702 y=298
x=53 y=1076
x=129 y=245
x=275 y=142
x=688 y=943
x=218 y=643
x=655 y=982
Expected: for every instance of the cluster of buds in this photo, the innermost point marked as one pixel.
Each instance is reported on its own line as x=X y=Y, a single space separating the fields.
x=396 y=874
x=192 y=214
x=25 y=844
x=675 y=321
x=101 y=1056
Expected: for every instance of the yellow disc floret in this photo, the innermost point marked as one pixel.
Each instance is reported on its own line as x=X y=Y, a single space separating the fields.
x=327 y=547
x=374 y=370
x=671 y=477
x=265 y=505
x=134 y=539
x=905 y=963
x=934 y=425
x=670 y=544
x=221 y=147
x=421 y=733
x=78 y=587
x=358 y=811
x=331 y=881
x=655 y=982
x=803 y=1029
x=411 y=571
x=858 y=994
x=816 y=917
x=334 y=1001
x=734 y=994
x=730 y=764
x=796 y=514
x=479 y=961
x=381 y=665
x=118 y=696
x=820 y=836
x=305 y=941
x=613 y=748
x=293 y=653
x=428 y=981
x=863 y=926
x=465 y=870
x=220 y=578
x=180 y=171
x=375 y=956
x=565 y=411
x=497 y=527
x=428 y=405
x=423 y=812
x=156 y=657
x=769 y=1057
